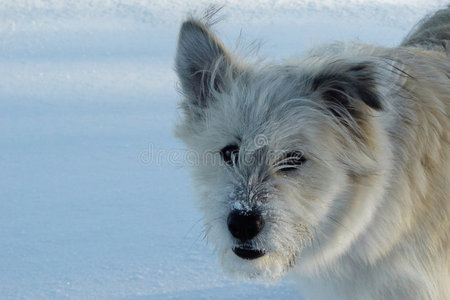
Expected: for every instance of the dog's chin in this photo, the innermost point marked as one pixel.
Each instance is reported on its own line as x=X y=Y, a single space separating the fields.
x=255 y=264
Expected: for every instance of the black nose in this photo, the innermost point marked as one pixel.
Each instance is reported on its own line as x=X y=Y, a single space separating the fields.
x=244 y=226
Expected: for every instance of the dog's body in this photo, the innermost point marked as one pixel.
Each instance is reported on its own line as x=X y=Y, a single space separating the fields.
x=337 y=164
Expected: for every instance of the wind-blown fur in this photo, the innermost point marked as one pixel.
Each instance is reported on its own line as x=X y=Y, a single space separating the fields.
x=344 y=154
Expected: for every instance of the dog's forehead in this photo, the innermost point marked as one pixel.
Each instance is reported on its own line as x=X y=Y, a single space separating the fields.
x=261 y=100
x=262 y=95
x=272 y=84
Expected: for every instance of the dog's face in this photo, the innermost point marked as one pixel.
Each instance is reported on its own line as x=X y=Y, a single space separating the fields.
x=279 y=149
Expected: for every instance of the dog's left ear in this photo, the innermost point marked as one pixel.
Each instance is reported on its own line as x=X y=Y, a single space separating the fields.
x=345 y=87
x=201 y=63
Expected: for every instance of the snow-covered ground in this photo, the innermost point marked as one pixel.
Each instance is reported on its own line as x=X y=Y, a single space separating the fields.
x=94 y=200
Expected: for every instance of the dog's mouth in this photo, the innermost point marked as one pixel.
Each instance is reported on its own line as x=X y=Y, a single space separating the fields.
x=247 y=253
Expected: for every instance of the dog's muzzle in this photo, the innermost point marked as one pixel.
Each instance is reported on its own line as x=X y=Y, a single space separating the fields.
x=245 y=226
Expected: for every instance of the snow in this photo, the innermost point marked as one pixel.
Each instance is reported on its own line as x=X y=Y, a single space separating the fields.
x=95 y=200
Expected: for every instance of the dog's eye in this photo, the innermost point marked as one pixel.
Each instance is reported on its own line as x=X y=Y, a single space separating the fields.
x=230 y=154
x=292 y=161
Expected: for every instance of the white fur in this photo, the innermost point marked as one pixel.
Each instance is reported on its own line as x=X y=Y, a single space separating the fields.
x=367 y=216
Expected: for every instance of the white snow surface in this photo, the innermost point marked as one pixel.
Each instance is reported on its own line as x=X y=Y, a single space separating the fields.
x=95 y=200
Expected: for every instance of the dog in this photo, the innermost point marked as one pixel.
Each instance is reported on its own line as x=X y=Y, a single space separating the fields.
x=334 y=167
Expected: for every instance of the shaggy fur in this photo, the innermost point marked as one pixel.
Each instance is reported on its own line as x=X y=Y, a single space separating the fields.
x=344 y=154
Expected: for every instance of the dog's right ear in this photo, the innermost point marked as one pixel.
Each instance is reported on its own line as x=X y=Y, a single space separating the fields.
x=201 y=64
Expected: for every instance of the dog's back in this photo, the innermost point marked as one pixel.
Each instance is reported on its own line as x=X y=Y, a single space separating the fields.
x=432 y=33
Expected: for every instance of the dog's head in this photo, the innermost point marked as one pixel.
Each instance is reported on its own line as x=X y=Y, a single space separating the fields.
x=281 y=151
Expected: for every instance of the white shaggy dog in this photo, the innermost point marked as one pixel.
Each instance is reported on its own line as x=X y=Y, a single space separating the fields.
x=336 y=165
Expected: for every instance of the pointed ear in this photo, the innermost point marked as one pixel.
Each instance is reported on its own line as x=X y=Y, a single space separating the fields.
x=346 y=87
x=201 y=63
